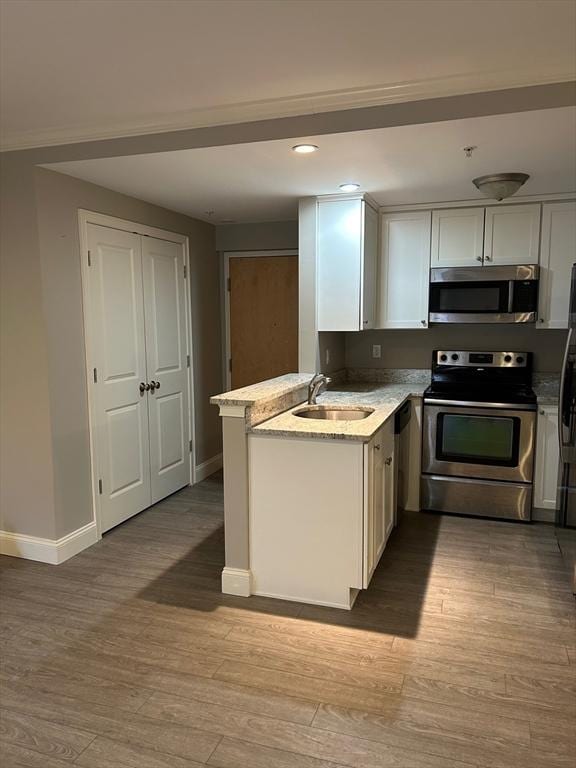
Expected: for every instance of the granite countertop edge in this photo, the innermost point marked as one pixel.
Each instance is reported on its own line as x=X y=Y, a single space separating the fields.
x=384 y=399
x=264 y=392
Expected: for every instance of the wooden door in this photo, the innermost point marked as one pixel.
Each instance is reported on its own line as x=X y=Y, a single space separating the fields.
x=166 y=358
x=117 y=339
x=263 y=318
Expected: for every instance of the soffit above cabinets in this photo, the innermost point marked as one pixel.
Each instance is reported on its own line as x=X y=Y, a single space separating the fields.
x=399 y=166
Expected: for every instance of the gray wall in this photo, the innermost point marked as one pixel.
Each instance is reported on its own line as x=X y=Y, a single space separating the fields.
x=264 y=236
x=26 y=467
x=43 y=283
x=413 y=349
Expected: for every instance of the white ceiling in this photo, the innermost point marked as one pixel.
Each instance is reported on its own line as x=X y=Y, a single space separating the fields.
x=408 y=164
x=78 y=69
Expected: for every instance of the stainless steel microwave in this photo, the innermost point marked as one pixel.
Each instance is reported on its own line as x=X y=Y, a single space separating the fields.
x=484 y=294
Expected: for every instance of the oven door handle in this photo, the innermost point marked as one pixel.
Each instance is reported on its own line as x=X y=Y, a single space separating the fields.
x=476 y=404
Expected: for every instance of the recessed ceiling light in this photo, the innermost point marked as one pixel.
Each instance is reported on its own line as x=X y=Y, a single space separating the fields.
x=349 y=187
x=305 y=149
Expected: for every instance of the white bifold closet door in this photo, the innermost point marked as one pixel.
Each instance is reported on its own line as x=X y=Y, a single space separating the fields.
x=138 y=341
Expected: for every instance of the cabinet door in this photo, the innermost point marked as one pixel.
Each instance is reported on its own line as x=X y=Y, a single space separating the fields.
x=457 y=237
x=389 y=493
x=369 y=266
x=557 y=254
x=512 y=234
x=339 y=271
x=404 y=270
x=547 y=458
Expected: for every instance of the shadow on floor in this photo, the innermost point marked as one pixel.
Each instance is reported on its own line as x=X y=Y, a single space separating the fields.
x=394 y=603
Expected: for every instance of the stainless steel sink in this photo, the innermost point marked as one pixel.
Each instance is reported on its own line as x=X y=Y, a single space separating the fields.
x=334 y=414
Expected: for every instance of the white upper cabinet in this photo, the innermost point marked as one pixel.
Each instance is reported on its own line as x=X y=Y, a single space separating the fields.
x=403 y=281
x=557 y=254
x=457 y=237
x=346 y=264
x=512 y=234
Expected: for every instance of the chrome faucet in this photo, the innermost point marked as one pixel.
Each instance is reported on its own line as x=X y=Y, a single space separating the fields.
x=317 y=385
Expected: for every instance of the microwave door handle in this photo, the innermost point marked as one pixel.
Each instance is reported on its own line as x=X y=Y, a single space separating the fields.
x=511 y=296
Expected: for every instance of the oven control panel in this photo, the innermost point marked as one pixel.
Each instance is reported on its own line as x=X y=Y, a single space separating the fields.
x=481 y=359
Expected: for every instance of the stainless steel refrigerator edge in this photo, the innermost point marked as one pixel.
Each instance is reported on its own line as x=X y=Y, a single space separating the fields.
x=566 y=509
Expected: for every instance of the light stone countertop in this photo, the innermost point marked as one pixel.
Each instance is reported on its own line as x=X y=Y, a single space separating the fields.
x=265 y=390
x=385 y=399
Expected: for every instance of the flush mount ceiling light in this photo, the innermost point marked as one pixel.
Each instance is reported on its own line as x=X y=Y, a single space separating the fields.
x=305 y=149
x=498 y=186
x=349 y=187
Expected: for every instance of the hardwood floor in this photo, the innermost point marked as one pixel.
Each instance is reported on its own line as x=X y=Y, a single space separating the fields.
x=461 y=654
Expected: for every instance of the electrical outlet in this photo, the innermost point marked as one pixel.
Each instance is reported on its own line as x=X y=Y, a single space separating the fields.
x=376 y=350
x=327 y=357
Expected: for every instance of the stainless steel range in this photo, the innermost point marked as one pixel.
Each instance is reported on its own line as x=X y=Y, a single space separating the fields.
x=479 y=427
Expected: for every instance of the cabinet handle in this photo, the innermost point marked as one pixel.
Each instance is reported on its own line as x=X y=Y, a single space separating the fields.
x=488 y=257
x=542 y=413
x=376 y=447
x=541 y=319
x=388 y=460
x=478 y=258
x=423 y=322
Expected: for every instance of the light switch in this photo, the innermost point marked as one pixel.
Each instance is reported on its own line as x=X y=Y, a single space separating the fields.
x=376 y=350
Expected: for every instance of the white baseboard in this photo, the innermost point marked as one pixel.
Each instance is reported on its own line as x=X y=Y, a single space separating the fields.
x=207 y=468
x=236 y=581
x=53 y=551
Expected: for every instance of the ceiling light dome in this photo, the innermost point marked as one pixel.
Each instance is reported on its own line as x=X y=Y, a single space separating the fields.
x=349 y=187
x=498 y=186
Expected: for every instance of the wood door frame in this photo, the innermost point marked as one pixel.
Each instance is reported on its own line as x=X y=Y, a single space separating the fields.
x=225 y=277
x=85 y=218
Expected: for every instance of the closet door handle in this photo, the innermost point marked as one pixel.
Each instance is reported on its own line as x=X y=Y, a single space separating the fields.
x=144 y=387
x=154 y=385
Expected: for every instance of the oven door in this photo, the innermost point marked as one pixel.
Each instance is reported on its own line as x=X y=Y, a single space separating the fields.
x=487 y=443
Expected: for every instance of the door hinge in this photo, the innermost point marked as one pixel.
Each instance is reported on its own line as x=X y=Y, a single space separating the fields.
x=100 y=487
x=228 y=285
x=185 y=271
x=89 y=259
x=190 y=446
x=95 y=374
x=187 y=361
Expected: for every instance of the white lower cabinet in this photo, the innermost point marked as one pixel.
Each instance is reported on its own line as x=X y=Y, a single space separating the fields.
x=321 y=511
x=380 y=497
x=547 y=458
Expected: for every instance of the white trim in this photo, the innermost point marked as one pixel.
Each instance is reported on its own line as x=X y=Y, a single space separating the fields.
x=347 y=606
x=291 y=106
x=235 y=411
x=478 y=203
x=53 y=551
x=85 y=218
x=208 y=467
x=225 y=276
x=540 y=515
x=236 y=581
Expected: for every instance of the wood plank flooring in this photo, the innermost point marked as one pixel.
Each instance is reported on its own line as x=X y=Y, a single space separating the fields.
x=462 y=654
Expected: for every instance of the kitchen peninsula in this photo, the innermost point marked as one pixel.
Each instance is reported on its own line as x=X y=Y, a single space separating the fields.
x=310 y=502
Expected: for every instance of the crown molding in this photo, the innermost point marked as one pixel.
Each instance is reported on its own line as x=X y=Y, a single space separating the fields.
x=479 y=202
x=327 y=101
